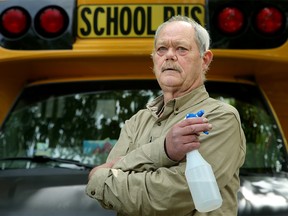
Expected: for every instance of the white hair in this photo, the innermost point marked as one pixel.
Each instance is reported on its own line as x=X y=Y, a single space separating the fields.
x=202 y=37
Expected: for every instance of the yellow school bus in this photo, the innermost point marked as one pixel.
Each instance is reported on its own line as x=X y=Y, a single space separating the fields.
x=72 y=71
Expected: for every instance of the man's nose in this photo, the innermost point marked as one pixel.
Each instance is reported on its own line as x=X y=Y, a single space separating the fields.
x=171 y=54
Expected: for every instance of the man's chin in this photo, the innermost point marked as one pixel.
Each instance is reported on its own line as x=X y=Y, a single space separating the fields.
x=170 y=82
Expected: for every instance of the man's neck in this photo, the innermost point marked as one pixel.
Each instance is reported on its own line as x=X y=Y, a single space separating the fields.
x=172 y=94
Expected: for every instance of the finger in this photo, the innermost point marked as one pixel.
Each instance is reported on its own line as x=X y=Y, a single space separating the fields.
x=191 y=146
x=92 y=172
x=196 y=120
x=190 y=139
x=196 y=129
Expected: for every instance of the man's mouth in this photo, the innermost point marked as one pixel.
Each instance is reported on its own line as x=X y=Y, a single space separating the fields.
x=167 y=69
x=173 y=68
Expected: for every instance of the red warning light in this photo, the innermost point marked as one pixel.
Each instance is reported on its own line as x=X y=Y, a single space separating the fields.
x=269 y=20
x=15 y=22
x=51 y=21
x=230 y=20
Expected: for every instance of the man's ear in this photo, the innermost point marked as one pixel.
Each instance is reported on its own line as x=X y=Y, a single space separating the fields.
x=207 y=59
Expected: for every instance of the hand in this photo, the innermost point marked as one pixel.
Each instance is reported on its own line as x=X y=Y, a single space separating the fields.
x=184 y=137
x=105 y=165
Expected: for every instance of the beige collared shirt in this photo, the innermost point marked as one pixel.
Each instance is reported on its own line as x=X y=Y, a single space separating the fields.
x=146 y=182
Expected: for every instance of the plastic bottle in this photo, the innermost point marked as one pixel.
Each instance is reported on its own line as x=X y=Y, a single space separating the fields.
x=201 y=180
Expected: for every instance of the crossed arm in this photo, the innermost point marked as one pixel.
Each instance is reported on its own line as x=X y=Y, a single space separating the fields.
x=151 y=177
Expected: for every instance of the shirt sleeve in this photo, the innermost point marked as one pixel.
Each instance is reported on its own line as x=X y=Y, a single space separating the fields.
x=150 y=156
x=145 y=182
x=225 y=146
x=160 y=192
x=150 y=182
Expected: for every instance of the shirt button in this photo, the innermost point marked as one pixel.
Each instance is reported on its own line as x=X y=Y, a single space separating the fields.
x=159 y=123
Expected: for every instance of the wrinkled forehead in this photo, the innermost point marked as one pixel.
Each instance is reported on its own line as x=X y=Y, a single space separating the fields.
x=177 y=30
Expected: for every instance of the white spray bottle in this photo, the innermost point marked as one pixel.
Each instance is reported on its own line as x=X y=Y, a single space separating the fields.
x=201 y=180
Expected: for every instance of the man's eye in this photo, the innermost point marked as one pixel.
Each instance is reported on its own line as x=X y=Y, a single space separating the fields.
x=161 y=50
x=182 y=50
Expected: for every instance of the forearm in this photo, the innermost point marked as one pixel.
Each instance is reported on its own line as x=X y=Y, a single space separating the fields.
x=150 y=156
x=163 y=191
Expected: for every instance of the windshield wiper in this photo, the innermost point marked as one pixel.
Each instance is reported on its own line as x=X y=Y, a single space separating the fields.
x=45 y=159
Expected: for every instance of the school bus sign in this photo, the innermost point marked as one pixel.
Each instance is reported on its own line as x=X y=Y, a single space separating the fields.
x=110 y=21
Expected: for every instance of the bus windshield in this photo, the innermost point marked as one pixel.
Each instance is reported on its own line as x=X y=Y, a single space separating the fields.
x=83 y=122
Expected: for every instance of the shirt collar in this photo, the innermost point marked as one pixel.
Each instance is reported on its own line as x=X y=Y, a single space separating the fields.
x=179 y=104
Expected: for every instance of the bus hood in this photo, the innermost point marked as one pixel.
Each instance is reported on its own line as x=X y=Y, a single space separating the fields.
x=265 y=196
x=46 y=192
x=61 y=192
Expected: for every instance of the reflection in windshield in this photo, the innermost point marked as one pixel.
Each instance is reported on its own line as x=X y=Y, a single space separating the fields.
x=258 y=194
x=85 y=126
x=264 y=147
x=81 y=127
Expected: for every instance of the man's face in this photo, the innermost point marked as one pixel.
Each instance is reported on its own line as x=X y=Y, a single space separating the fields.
x=178 y=65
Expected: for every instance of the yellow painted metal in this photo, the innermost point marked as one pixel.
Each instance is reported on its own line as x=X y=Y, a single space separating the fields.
x=129 y=58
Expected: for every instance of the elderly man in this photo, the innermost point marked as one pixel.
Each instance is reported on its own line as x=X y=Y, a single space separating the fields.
x=145 y=171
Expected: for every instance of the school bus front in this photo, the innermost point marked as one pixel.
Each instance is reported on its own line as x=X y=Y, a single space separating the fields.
x=73 y=71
